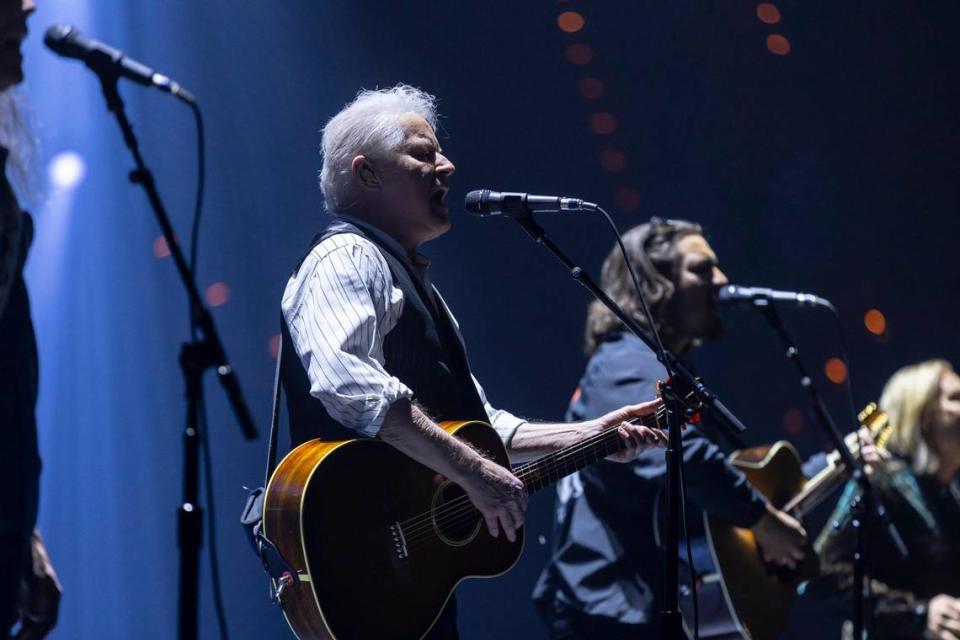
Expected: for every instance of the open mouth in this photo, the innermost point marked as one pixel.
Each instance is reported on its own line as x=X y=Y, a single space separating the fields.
x=438 y=198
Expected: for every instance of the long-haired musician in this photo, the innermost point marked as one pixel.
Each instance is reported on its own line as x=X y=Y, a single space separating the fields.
x=602 y=581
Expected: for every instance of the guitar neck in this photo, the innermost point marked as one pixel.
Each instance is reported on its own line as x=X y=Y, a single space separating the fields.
x=818 y=488
x=822 y=485
x=548 y=470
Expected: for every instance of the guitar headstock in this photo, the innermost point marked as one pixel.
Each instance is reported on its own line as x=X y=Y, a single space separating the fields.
x=877 y=422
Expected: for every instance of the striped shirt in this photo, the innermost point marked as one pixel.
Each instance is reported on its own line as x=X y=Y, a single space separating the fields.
x=339 y=306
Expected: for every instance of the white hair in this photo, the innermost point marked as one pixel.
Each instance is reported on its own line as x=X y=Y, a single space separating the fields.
x=370 y=125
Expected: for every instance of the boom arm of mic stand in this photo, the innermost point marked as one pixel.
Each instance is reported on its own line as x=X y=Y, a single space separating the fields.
x=142 y=176
x=681 y=377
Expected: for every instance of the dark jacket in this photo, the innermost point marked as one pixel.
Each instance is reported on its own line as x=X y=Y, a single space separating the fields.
x=19 y=456
x=605 y=559
x=927 y=516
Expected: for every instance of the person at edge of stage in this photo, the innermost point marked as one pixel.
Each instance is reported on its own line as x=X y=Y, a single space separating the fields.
x=29 y=589
x=369 y=346
x=917 y=597
x=601 y=581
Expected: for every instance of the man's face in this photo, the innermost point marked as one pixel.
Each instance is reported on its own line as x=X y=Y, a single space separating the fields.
x=414 y=181
x=694 y=312
x=13 y=29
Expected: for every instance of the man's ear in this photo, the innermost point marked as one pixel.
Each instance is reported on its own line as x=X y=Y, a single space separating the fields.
x=365 y=173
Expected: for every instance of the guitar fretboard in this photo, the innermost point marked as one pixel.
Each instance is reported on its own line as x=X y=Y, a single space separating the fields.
x=547 y=470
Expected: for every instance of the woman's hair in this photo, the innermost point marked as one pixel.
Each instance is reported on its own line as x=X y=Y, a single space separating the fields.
x=652 y=249
x=369 y=125
x=16 y=136
x=908 y=398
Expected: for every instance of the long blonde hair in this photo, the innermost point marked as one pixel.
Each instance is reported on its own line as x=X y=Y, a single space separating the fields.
x=907 y=398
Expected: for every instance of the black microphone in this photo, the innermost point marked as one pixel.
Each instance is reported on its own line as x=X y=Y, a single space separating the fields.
x=67 y=41
x=735 y=294
x=494 y=203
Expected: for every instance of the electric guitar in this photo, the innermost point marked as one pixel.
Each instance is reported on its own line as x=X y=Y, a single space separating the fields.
x=379 y=541
x=758 y=595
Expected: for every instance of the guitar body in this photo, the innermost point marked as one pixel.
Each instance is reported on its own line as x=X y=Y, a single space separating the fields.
x=760 y=595
x=377 y=544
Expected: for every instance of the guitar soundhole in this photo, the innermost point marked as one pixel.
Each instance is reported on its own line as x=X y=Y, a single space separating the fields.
x=455 y=519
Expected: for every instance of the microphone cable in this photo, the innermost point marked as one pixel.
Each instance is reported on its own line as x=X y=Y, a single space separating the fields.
x=683 y=489
x=204 y=435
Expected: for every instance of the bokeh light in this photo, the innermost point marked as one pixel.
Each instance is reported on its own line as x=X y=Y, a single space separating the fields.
x=217 y=294
x=875 y=322
x=793 y=421
x=160 y=248
x=579 y=53
x=628 y=199
x=592 y=88
x=570 y=21
x=603 y=123
x=777 y=44
x=768 y=13
x=274 y=345
x=835 y=370
x=66 y=170
x=613 y=161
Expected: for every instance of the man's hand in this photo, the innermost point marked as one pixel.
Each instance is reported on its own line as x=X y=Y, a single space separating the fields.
x=39 y=595
x=637 y=437
x=498 y=495
x=781 y=538
x=943 y=617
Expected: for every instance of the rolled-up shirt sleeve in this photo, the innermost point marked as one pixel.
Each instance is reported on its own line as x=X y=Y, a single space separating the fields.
x=338 y=307
x=503 y=422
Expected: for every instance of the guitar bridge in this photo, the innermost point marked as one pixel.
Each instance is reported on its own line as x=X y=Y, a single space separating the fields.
x=399 y=541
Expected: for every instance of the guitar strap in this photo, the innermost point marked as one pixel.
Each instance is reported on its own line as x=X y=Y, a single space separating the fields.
x=277 y=568
x=275 y=415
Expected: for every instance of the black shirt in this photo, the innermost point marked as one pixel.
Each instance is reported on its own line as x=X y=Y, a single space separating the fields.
x=19 y=457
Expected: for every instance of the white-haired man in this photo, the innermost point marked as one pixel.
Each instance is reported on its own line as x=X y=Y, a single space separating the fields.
x=370 y=348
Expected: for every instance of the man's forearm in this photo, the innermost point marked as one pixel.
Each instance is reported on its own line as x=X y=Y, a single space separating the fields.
x=410 y=430
x=533 y=440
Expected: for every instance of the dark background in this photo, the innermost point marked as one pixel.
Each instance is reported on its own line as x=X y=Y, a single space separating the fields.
x=832 y=169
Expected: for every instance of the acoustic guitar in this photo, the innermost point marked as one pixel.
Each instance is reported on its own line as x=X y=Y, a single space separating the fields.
x=759 y=595
x=379 y=541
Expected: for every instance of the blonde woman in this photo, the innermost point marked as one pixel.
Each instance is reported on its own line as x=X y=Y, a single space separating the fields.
x=920 y=485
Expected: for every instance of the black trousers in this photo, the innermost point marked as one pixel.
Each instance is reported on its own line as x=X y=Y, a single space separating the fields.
x=14 y=562
x=566 y=623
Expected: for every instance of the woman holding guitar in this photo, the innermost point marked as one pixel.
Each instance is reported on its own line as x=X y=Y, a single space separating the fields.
x=918 y=597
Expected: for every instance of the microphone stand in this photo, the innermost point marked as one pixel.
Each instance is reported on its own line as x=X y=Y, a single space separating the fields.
x=868 y=504
x=195 y=358
x=680 y=388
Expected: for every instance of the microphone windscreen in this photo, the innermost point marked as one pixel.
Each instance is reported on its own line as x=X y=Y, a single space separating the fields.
x=475 y=202
x=62 y=39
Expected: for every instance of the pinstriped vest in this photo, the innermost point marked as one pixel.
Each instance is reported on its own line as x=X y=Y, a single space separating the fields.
x=424 y=351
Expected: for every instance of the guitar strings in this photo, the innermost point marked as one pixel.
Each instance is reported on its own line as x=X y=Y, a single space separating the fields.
x=556 y=456
x=461 y=510
x=466 y=512
x=537 y=469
